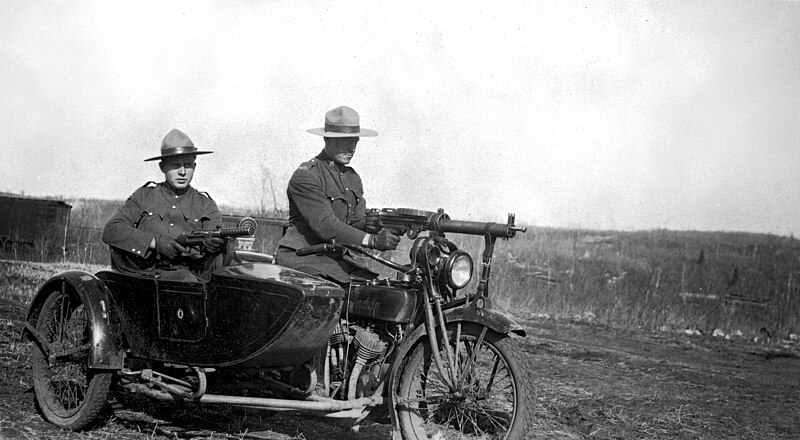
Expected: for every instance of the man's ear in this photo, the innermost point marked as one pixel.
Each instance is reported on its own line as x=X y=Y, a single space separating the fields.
x=161 y=166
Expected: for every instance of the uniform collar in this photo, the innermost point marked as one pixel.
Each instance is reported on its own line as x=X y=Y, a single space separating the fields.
x=323 y=156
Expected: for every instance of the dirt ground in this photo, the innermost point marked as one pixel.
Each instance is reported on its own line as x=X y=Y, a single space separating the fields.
x=592 y=382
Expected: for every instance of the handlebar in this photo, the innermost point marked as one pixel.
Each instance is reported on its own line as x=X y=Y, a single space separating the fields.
x=315 y=249
x=334 y=247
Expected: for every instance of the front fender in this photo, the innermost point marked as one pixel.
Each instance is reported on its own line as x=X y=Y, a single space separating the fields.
x=492 y=319
x=107 y=350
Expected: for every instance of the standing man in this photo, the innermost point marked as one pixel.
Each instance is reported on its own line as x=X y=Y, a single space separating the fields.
x=326 y=202
x=142 y=233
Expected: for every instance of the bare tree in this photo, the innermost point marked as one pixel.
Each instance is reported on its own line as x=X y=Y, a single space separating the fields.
x=266 y=189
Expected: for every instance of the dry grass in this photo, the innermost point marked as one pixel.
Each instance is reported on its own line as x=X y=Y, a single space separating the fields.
x=654 y=280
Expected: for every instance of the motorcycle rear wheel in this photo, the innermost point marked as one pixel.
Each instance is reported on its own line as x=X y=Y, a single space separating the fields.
x=494 y=397
x=68 y=393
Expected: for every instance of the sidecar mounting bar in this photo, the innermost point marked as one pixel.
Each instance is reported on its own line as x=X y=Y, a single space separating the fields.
x=303 y=406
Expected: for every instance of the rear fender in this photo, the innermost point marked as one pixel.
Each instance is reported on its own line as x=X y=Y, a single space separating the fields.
x=492 y=319
x=107 y=350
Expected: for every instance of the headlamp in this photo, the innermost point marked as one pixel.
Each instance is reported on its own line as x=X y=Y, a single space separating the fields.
x=458 y=269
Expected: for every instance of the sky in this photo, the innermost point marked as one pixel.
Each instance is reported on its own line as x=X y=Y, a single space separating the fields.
x=624 y=115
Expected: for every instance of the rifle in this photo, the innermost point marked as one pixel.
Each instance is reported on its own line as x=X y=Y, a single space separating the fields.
x=191 y=238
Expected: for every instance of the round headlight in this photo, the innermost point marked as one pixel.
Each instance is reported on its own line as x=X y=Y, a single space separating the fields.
x=458 y=269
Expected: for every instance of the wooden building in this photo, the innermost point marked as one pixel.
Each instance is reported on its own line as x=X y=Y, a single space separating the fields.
x=26 y=219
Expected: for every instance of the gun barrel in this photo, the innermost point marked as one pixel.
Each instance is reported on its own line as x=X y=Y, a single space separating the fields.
x=477 y=228
x=196 y=237
x=234 y=232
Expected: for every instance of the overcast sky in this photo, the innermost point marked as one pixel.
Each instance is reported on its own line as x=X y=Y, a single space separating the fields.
x=612 y=115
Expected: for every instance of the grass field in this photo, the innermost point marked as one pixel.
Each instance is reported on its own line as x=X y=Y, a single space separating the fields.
x=739 y=285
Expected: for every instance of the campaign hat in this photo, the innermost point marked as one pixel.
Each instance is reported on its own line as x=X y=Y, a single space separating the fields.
x=342 y=121
x=176 y=143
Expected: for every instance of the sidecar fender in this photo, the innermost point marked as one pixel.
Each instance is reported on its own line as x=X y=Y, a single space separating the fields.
x=492 y=319
x=107 y=350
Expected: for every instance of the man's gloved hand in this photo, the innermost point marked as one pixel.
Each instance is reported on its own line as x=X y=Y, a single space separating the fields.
x=169 y=247
x=212 y=245
x=385 y=240
x=373 y=222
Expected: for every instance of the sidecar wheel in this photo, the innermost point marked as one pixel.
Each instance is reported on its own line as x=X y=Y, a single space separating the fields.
x=494 y=398
x=68 y=393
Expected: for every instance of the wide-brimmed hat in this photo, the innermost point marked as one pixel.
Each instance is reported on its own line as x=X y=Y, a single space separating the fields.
x=176 y=143
x=342 y=122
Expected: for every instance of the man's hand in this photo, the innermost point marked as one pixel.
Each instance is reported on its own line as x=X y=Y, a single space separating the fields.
x=169 y=247
x=373 y=222
x=212 y=245
x=385 y=240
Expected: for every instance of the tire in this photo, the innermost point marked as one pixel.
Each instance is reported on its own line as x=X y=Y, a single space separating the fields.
x=495 y=401
x=68 y=393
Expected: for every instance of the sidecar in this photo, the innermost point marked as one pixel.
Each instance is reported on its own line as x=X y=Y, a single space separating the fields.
x=251 y=314
x=89 y=327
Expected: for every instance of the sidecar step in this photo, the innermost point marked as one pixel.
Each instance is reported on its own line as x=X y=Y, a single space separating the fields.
x=303 y=406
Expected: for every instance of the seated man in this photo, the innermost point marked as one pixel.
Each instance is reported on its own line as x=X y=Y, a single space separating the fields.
x=141 y=235
x=326 y=202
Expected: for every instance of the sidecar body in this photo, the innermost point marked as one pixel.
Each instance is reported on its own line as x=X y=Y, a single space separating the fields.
x=249 y=314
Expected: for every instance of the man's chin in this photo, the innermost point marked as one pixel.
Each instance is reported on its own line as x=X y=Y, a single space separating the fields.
x=180 y=186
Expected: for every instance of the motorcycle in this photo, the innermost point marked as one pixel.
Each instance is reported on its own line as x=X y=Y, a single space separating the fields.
x=413 y=351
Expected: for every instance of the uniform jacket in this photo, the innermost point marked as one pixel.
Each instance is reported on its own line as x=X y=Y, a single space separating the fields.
x=326 y=202
x=153 y=210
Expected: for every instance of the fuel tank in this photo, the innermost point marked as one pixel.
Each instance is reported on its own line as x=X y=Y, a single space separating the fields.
x=384 y=303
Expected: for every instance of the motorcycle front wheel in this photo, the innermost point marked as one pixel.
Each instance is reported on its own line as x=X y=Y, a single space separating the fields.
x=492 y=397
x=68 y=393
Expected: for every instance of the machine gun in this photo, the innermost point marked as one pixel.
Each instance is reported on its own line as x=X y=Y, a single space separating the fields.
x=413 y=221
x=247 y=226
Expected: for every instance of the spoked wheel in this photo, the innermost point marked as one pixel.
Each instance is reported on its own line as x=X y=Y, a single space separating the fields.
x=491 y=396
x=68 y=393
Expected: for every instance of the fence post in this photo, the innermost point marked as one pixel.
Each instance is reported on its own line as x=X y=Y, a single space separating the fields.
x=64 y=243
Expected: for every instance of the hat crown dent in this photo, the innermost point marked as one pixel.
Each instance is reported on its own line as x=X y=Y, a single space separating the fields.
x=342 y=116
x=342 y=121
x=176 y=139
